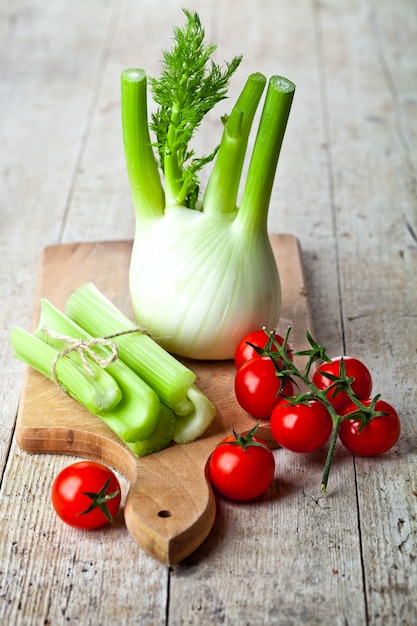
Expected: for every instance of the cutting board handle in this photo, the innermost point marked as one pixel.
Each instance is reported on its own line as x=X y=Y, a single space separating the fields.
x=169 y=513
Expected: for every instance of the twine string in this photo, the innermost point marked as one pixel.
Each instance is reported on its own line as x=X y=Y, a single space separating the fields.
x=85 y=349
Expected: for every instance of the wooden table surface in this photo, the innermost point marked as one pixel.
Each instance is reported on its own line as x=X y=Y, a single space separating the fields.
x=346 y=186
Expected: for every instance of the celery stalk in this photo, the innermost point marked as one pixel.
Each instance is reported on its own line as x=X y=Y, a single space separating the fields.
x=116 y=394
x=189 y=427
x=169 y=378
x=99 y=393
x=160 y=438
x=137 y=414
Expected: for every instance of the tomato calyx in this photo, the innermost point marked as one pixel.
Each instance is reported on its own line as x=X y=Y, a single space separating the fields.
x=301 y=398
x=99 y=501
x=340 y=383
x=274 y=350
x=363 y=413
x=317 y=352
x=241 y=467
x=245 y=441
x=271 y=343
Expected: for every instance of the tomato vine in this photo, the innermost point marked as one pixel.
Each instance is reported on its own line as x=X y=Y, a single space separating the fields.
x=361 y=411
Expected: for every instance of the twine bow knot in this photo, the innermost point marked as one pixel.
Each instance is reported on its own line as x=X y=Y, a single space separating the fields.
x=85 y=348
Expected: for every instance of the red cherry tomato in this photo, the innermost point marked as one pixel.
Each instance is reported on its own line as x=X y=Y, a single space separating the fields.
x=241 y=474
x=244 y=352
x=86 y=495
x=301 y=427
x=378 y=436
x=361 y=386
x=258 y=388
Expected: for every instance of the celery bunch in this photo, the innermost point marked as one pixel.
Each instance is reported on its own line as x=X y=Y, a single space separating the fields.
x=145 y=395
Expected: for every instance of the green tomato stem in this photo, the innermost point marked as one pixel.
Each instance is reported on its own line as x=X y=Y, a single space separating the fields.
x=330 y=454
x=315 y=394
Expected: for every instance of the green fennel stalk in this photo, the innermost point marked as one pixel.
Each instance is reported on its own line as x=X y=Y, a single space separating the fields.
x=223 y=185
x=261 y=174
x=142 y=167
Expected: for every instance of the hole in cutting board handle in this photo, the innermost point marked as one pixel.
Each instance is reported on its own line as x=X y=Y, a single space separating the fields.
x=164 y=513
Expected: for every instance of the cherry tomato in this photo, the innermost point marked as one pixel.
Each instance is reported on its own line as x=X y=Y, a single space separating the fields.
x=244 y=352
x=86 y=495
x=361 y=386
x=378 y=436
x=301 y=427
x=258 y=388
x=242 y=474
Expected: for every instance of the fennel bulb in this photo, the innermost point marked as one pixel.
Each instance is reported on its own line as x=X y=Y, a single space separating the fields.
x=199 y=282
x=202 y=273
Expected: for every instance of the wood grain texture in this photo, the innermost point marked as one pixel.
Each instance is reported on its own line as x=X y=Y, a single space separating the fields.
x=345 y=187
x=170 y=508
x=379 y=299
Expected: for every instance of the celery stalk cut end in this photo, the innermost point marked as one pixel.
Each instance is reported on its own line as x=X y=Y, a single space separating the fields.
x=190 y=427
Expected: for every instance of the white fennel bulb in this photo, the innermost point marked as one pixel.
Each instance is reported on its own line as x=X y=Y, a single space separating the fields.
x=199 y=284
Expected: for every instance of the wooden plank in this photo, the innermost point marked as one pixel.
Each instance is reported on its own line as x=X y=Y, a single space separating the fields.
x=41 y=132
x=172 y=480
x=373 y=147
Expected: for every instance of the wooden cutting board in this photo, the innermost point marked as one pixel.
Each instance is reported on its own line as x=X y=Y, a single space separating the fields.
x=170 y=507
